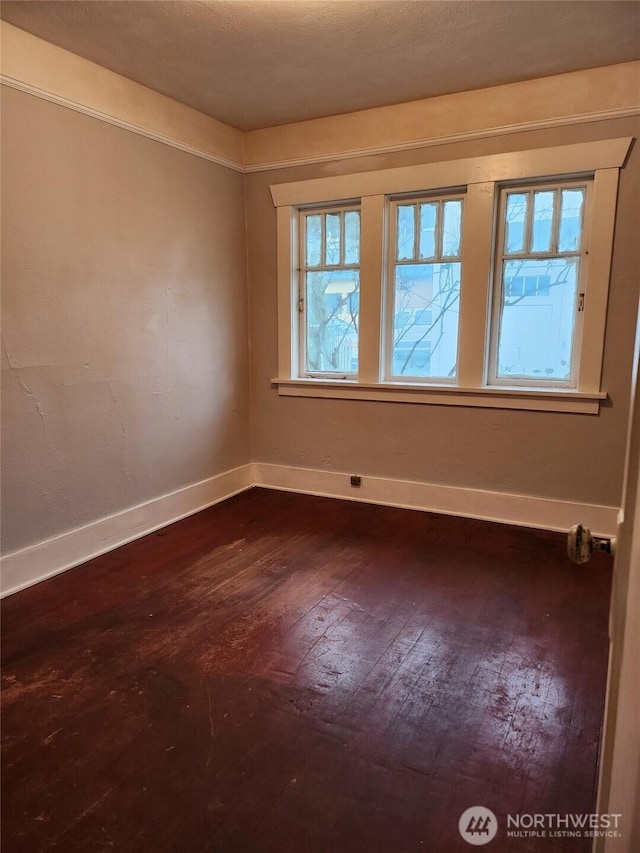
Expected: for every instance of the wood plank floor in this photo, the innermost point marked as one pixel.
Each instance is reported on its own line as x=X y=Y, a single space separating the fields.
x=290 y=674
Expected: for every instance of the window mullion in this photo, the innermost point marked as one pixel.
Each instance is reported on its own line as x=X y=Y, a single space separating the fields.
x=477 y=240
x=439 y=231
x=528 y=224
x=555 y=229
x=372 y=214
x=323 y=239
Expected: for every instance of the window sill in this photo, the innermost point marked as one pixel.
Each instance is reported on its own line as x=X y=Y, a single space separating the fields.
x=538 y=399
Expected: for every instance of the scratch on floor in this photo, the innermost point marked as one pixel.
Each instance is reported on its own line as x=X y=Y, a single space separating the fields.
x=86 y=812
x=48 y=739
x=213 y=731
x=97 y=803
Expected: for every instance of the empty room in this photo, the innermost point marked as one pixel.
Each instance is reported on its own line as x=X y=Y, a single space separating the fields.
x=320 y=426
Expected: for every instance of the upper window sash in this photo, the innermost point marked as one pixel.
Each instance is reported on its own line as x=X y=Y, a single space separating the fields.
x=330 y=238
x=540 y=217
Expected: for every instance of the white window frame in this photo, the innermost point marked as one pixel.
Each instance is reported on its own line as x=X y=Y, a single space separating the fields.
x=481 y=179
x=303 y=269
x=500 y=255
x=389 y=301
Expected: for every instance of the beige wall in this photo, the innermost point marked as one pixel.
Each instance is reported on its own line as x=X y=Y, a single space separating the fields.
x=564 y=456
x=124 y=363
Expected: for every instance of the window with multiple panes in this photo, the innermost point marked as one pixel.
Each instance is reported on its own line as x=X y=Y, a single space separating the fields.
x=538 y=295
x=329 y=291
x=424 y=288
x=475 y=282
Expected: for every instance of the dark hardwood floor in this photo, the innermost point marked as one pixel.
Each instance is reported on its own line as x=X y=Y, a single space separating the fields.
x=289 y=673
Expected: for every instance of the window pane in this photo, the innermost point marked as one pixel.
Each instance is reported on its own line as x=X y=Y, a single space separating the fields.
x=516 y=217
x=405 y=237
x=428 y=213
x=314 y=240
x=542 y=221
x=538 y=317
x=332 y=238
x=352 y=237
x=332 y=299
x=451 y=229
x=426 y=305
x=570 y=220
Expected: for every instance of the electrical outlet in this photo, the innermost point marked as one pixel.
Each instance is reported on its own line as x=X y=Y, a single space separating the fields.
x=356 y=481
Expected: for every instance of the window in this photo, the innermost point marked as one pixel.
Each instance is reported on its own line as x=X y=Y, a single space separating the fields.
x=329 y=292
x=538 y=298
x=424 y=298
x=476 y=282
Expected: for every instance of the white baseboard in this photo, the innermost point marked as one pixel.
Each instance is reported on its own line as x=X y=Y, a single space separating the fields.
x=52 y=556
x=503 y=507
x=37 y=562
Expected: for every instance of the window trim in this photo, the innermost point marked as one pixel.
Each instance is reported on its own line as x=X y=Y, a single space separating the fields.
x=532 y=399
x=483 y=177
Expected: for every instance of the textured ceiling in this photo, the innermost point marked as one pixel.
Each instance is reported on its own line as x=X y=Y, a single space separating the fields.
x=258 y=63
